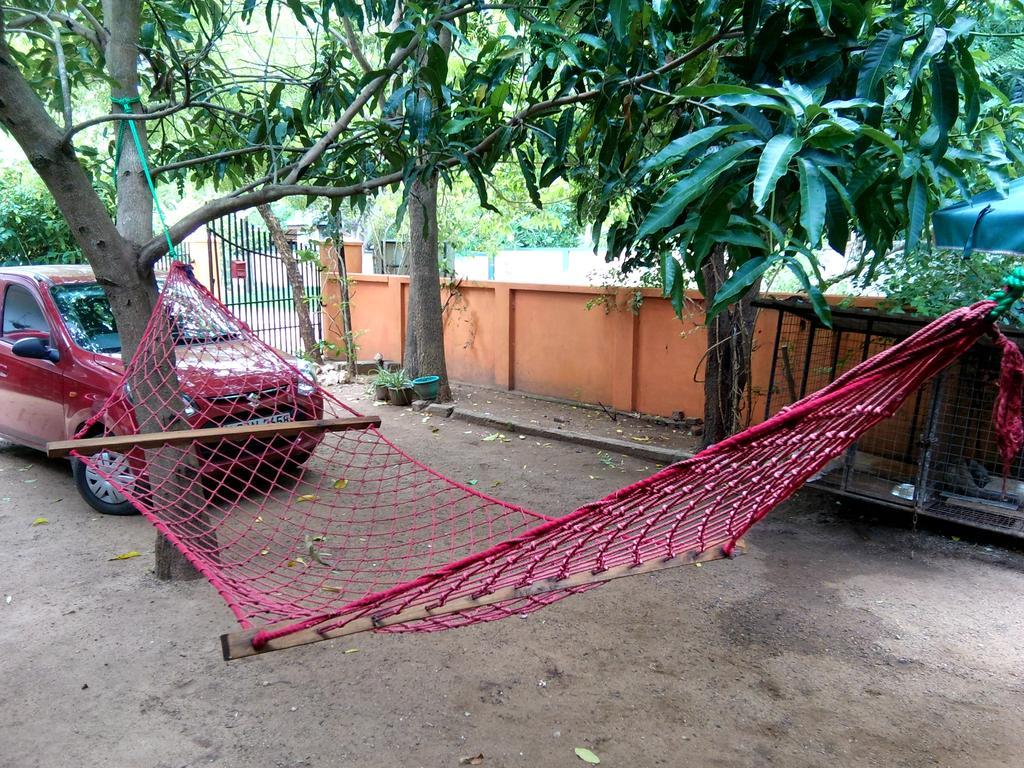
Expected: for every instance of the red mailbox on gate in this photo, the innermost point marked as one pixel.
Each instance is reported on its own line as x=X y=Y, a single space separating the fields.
x=239 y=270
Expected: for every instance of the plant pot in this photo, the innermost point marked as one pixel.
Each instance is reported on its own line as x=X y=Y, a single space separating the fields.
x=426 y=387
x=401 y=396
x=380 y=393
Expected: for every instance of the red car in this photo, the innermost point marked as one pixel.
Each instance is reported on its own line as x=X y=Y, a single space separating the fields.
x=60 y=360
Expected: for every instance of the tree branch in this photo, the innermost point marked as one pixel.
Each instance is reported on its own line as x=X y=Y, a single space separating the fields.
x=314 y=153
x=353 y=44
x=157 y=247
x=102 y=35
x=75 y=27
x=188 y=163
x=159 y=111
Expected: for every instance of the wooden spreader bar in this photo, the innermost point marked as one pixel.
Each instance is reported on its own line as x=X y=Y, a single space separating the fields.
x=121 y=443
x=237 y=645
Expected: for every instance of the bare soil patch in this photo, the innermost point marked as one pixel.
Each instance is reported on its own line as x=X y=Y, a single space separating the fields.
x=842 y=639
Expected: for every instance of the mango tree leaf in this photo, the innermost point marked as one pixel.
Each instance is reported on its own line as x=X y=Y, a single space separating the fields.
x=813 y=201
x=739 y=282
x=883 y=138
x=621 y=15
x=971 y=87
x=945 y=106
x=751 y=17
x=820 y=306
x=742 y=237
x=684 y=145
x=693 y=184
x=709 y=91
x=961 y=27
x=756 y=100
x=926 y=52
x=917 y=207
x=879 y=58
x=838 y=104
x=773 y=166
x=822 y=10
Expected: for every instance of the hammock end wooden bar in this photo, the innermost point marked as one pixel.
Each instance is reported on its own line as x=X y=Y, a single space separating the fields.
x=238 y=645
x=120 y=443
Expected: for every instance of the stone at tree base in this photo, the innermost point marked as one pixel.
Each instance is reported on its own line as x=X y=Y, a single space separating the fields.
x=420 y=405
x=441 y=409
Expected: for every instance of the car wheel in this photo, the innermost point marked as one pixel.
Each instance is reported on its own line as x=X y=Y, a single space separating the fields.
x=98 y=492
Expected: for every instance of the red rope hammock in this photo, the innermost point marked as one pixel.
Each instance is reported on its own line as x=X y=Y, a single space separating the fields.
x=328 y=533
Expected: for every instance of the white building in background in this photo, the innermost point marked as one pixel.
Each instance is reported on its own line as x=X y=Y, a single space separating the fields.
x=557 y=266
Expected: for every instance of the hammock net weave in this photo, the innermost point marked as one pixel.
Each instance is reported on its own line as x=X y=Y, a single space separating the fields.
x=335 y=530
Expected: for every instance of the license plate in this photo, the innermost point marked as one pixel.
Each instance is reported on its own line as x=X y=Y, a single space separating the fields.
x=277 y=418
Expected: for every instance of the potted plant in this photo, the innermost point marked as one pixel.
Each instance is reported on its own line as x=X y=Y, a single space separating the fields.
x=399 y=388
x=380 y=384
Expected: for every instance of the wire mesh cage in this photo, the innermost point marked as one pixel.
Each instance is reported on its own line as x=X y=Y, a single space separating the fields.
x=937 y=455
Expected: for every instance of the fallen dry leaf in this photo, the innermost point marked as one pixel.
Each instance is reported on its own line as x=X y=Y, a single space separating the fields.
x=307 y=497
x=40 y=521
x=340 y=483
x=475 y=760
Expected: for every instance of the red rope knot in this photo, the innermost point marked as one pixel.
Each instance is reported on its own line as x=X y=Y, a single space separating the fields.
x=1006 y=414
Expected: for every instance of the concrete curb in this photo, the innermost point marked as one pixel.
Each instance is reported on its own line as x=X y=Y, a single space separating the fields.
x=648 y=452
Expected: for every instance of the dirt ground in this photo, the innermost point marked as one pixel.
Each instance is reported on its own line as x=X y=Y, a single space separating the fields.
x=842 y=639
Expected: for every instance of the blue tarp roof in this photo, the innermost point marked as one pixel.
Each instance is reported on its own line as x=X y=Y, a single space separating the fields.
x=991 y=222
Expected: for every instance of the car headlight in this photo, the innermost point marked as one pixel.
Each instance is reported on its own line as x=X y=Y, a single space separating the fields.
x=306 y=385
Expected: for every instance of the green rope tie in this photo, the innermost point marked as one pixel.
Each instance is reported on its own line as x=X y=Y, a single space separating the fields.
x=1011 y=293
x=126 y=104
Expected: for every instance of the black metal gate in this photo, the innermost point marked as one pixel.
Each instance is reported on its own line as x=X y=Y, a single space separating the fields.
x=249 y=277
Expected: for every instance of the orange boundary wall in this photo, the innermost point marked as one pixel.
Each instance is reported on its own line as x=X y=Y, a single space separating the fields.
x=542 y=339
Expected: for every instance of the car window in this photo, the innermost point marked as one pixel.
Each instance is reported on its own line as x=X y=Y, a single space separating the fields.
x=87 y=315
x=22 y=315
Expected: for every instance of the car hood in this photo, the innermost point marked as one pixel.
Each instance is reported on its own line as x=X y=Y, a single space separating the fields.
x=218 y=368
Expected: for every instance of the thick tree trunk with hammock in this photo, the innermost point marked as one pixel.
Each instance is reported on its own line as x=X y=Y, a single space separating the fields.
x=112 y=251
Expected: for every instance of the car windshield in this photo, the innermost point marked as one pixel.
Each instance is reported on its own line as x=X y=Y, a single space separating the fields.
x=90 y=321
x=86 y=313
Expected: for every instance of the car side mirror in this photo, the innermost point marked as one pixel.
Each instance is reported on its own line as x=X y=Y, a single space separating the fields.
x=35 y=349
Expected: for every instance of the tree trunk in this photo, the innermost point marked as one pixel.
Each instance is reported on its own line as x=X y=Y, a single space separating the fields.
x=135 y=223
x=727 y=365
x=346 y=310
x=294 y=276
x=424 y=337
x=111 y=250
